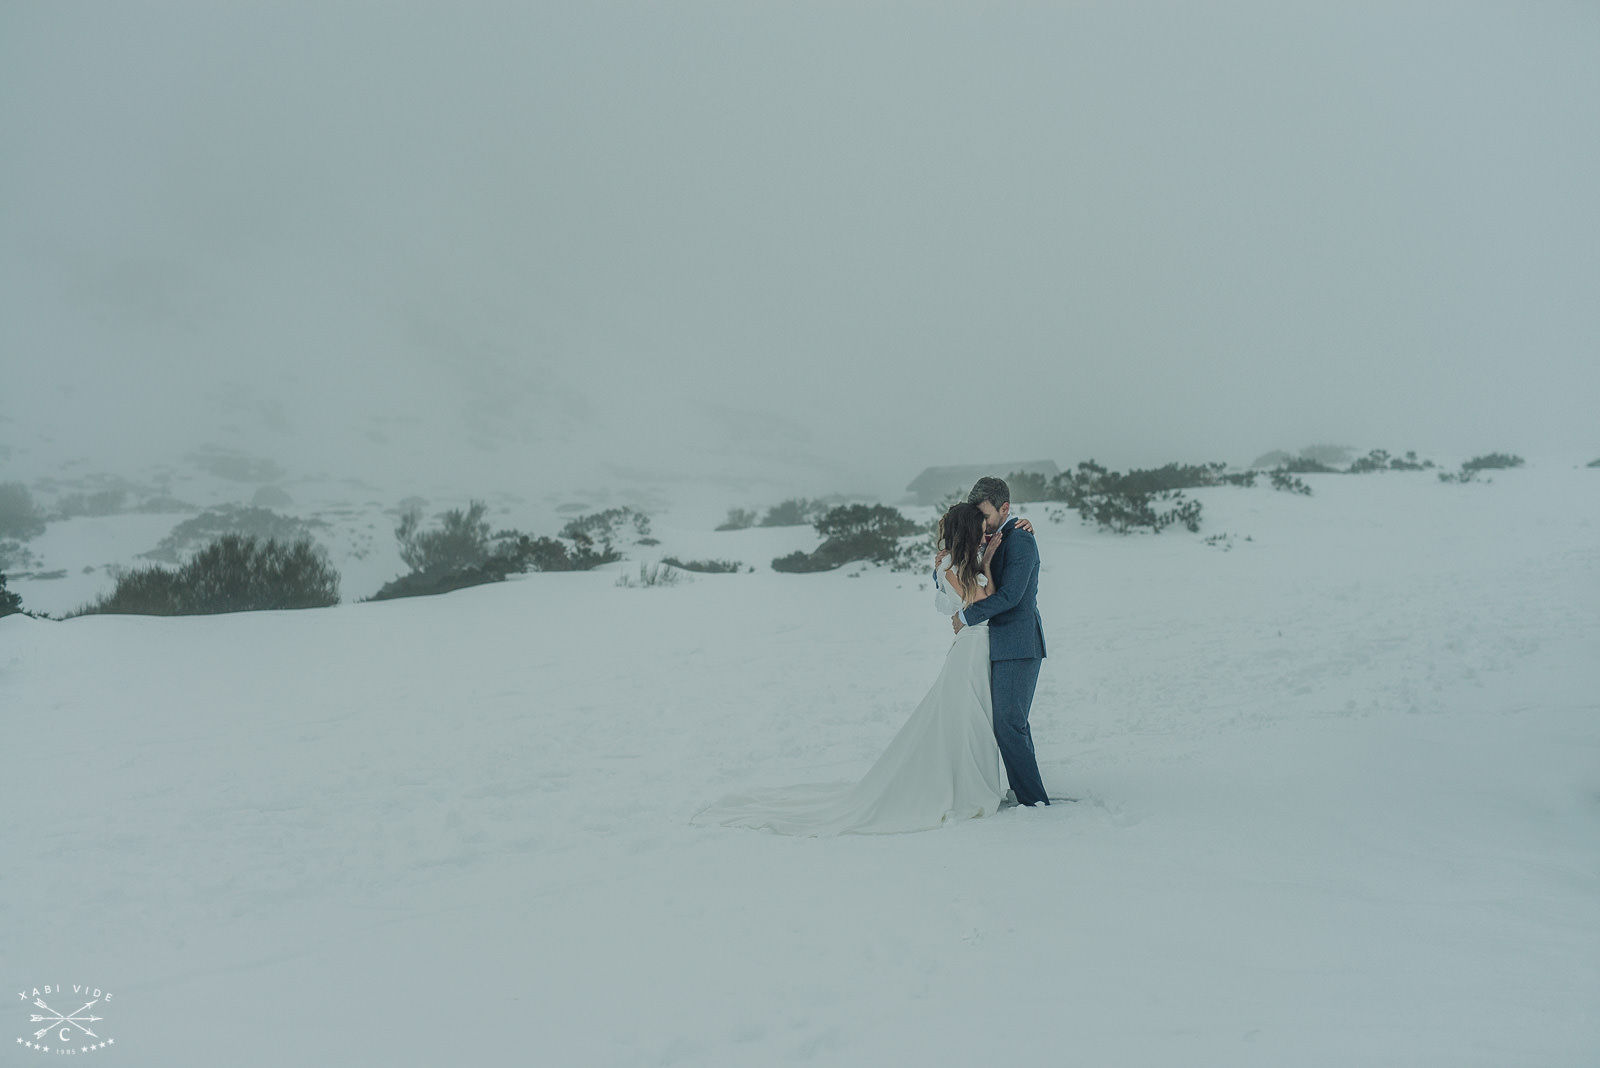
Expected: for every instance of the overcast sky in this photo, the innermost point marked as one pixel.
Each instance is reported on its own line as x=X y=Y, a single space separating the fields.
x=830 y=242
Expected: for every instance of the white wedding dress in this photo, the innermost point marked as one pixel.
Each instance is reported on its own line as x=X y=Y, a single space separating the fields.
x=941 y=767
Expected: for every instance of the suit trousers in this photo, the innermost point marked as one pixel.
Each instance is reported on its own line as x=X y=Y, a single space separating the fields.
x=1011 y=685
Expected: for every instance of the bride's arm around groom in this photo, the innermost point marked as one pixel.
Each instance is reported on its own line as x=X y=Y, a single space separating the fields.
x=1019 y=572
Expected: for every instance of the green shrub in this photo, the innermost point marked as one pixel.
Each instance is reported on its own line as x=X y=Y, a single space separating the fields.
x=799 y=562
x=1283 y=480
x=1494 y=461
x=605 y=529
x=457 y=554
x=1122 y=512
x=10 y=602
x=234 y=573
x=1376 y=460
x=865 y=520
x=738 y=519
x=145 y=591
x=851 y=533
x=1593 y=463
x=1409 y=463
x=705 y=567
x=1307 y=466
x=429 y=583
x=462 y=552
x=523 y=553
x=1380 y=460
x=1122 y=503
x=460 y=542
x=237 y=573
x=795 y=512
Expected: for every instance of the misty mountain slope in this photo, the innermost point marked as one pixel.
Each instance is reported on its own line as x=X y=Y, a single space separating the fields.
x=1337 y=806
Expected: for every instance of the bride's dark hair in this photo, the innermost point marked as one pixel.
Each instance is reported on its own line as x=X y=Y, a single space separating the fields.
x=961 y=534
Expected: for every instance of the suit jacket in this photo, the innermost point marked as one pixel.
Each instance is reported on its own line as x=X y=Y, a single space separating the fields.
x=1015 y=630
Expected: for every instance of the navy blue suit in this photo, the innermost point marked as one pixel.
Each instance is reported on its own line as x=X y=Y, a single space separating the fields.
x=1016 y=652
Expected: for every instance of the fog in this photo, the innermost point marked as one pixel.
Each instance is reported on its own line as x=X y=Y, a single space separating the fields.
x=814 y=246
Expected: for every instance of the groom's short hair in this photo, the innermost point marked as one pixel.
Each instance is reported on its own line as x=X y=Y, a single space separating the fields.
x=991 y=489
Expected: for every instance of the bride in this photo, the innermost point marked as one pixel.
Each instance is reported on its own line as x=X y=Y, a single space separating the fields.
x=943 y=765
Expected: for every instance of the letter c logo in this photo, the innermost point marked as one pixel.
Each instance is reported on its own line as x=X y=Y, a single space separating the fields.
x=65 y=1035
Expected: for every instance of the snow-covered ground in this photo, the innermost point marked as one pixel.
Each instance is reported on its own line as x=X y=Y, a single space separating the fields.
x=1339 y=804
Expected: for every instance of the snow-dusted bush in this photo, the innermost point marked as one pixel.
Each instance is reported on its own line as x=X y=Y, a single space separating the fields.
x=851 y=533
x=10 y=602
x=524 y=553
x=461 y=552
x=1125 y=502
x=707 y=567
x=608 y=528
x=1494 y=461
x=584 y=544
x=460 y=541
x=738 y=519
x=429 y=583
x=457 y=554
x=794 y=512
x=1308 y=466
x=1283 y=480
x=234 y=573
x=1380 y=460
x=1123 y=512
x=1409 y=462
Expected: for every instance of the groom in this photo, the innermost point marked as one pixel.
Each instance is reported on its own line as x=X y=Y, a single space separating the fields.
x=1016 y=636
